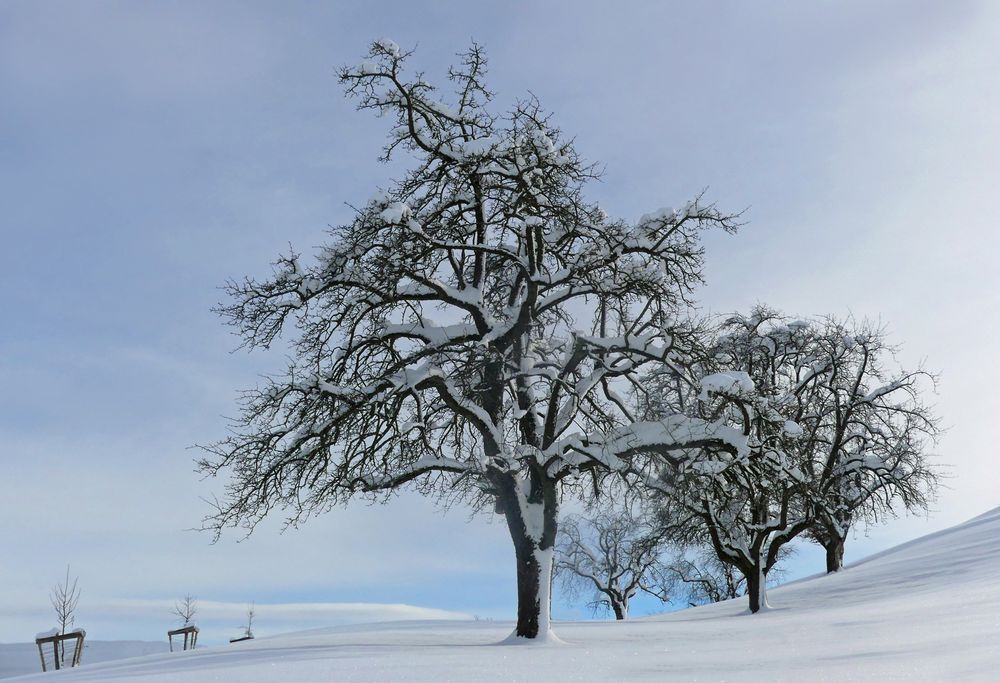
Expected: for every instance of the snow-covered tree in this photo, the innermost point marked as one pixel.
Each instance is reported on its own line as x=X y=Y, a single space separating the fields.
x=614 y=555
x=868 y=432
x=836 y=435
x=469 y=332
x=756 y=373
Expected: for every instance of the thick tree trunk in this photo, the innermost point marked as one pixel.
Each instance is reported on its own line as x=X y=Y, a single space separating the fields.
x=529 y=582
x=620 y=610
x=834 y=554
x=532 y=521
x=534 y=577
x=757 y=587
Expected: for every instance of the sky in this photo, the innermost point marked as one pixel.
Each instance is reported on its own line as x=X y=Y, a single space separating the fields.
x=151 y=151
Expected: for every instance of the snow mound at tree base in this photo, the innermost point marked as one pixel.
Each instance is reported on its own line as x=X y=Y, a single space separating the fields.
x=544 y=639
x=927 y=610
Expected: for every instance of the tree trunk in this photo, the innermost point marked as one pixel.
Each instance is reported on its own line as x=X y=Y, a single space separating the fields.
x=534 y=574
x=620 y=610
x=757 y=587
x=532 y=521
x=834 y=554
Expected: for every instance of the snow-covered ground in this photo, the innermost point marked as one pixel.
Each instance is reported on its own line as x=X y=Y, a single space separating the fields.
x=926 y=610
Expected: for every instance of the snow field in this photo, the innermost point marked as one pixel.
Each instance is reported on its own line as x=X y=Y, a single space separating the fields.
x=927 y=610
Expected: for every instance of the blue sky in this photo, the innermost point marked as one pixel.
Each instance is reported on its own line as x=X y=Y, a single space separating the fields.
x=150 y=151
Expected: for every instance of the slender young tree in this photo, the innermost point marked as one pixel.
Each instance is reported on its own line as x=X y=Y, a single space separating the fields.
x=185 y=609
x=468 y=332
x=251 y=614
x=613 y=554
x=64 y=598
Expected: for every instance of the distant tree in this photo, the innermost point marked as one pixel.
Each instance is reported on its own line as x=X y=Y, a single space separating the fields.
x=700 y=577
x=437 y=342
x=64 y=598
x=704 y=578
x=755 y=374
x=614 y=555
x=869 y=433
x=185 y=609
x=248 y=629
x=834 y=436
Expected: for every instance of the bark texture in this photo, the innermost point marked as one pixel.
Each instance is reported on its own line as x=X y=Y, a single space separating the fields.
x=834 y=554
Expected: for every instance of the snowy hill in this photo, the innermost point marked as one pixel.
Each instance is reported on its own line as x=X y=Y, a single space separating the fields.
x=926 y=610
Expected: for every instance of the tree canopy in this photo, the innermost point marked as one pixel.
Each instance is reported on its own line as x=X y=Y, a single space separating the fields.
x=477 y=329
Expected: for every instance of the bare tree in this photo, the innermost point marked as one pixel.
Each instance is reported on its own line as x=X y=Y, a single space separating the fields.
x=757 y=372
x=614 y=554
x=185 y=609
x=833 y=436
x=248 y=629
x=705 y=578
x=870 y=435
x=436 y=337
x=701 y=577
x=64 y=598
